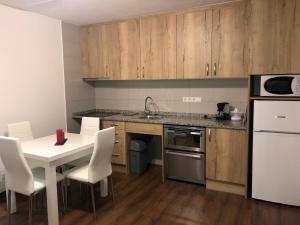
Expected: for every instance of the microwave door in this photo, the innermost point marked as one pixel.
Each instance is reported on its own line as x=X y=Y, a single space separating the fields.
x=277 y=85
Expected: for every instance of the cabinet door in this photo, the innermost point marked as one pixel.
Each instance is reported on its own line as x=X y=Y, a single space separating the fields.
x=122 y=50
x=158 y=47
x=194 y=44
x=274 y=36
x=112 y=51
x=226 y=152
x=93 y=60
x=229 y=41
x=130 y=55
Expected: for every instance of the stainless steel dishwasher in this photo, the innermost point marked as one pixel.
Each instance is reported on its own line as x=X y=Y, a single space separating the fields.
x=184 y=149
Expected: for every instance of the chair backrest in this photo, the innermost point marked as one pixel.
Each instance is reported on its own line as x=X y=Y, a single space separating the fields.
x=18 y=175
x=100 y=164
x=89 y=125
x=20 y=130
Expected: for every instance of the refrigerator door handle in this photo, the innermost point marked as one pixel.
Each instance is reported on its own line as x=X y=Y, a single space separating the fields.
x=276 y=132
x=280 y=117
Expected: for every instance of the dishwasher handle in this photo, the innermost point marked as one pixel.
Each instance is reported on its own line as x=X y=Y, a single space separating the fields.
x=195 y=156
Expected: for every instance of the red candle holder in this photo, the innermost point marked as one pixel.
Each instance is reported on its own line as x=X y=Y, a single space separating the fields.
x=60 y=136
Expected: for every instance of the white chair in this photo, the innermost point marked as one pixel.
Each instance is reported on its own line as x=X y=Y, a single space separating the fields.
x=99 y=166
x=89 y=126
x=18 y=175
x=21 y=130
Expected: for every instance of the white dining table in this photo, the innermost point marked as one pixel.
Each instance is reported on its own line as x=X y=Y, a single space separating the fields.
x=42 y=152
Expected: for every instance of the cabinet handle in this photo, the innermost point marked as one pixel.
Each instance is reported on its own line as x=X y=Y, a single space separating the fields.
x=116 y=155
x=137 y=72
x=106 y=69
x=209 y=135
x=207 y=69
x=114 y=125
x=215 y=69
x=143 y=72
x=116 y=142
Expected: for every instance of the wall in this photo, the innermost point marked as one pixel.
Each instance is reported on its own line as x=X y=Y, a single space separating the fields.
x=80 y=95
x=31 y=72
x=130 y=95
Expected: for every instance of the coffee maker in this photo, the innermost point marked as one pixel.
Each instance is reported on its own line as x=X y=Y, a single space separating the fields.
x=223 y=111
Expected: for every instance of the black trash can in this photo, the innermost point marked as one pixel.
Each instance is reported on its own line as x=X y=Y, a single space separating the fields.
x=138 y=157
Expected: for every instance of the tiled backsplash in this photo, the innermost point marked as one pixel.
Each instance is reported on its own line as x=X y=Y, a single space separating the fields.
x=130 y=95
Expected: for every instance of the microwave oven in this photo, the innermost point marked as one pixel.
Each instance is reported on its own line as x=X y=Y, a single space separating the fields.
x=276 y=85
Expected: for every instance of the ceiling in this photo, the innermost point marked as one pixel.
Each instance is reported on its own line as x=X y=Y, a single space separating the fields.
x=81 y=12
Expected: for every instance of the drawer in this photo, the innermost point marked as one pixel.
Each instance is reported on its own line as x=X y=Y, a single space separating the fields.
x=120 y=126
x=145 y=128
x=119 y=156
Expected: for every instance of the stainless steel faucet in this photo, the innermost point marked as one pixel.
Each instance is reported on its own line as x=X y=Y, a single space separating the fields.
x=146 y=110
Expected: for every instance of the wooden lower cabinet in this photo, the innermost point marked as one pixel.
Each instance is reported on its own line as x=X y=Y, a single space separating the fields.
x=119 y=152
x=226 y=159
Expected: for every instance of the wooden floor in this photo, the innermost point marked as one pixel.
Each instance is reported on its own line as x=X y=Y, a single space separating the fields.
x=144 y=200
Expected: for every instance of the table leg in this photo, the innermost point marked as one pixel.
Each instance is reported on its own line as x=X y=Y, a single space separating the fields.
x=104 y=187
x=51 y=188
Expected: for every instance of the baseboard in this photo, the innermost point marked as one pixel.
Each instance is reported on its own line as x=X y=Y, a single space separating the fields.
x=157 y=162
x=225 y=187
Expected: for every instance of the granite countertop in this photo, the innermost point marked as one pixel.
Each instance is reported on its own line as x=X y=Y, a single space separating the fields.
x=188 y=119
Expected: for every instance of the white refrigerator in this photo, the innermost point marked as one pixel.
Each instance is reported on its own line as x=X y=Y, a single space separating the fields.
x=276 y=152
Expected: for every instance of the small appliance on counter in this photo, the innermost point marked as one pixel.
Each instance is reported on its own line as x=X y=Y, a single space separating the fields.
x=236 y=115
x=223 y=111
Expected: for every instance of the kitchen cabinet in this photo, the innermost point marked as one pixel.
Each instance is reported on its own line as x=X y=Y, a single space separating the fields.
x=158 y=47
x=212 y=43
x=205 y=43
x=110 y=37
x=130 y=59
x=226 y=155
x=274 y=34
x=111 y=51
x=194 y=44
x=229 y=55
x=93 y=54
x=119 y=152
x=123 y=50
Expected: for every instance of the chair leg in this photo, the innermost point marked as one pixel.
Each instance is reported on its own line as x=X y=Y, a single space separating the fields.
x=66 y=192
x=9 y=206
x=93 y=199
x=30 y=209
x=62 y=189
x=112 y=188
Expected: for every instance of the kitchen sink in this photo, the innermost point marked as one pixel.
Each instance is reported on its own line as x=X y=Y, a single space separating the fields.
x=150 y=117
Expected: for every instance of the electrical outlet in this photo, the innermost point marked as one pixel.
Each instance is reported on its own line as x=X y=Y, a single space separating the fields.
x=185 y=99
x=192 y=99
x=197 y=99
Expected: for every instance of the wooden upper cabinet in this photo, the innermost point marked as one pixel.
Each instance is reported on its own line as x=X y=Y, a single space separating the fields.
x=93 y=60
x=122 y=49
x=274 y=34
x=226 y=155
x=194 y=44
x=229 y=56
x=111 y=42
x=130 y=57
x=158 y=47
